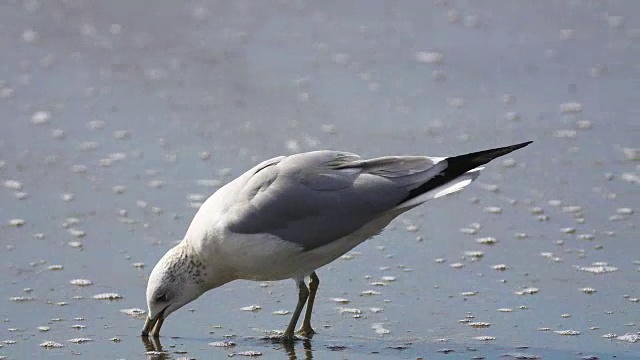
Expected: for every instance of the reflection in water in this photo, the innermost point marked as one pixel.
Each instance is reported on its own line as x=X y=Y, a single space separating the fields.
x=153 y=348
x=154 y=351
x=290 y=349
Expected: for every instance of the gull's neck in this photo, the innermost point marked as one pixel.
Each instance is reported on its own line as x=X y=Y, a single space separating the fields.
x=207 y=276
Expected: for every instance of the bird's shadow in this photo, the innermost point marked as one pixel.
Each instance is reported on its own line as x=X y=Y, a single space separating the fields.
x=154 y=351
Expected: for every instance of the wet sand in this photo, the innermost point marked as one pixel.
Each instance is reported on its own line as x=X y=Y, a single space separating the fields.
x=118 y=120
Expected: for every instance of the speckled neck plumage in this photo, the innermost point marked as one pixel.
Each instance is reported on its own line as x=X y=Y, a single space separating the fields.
x=186 y=262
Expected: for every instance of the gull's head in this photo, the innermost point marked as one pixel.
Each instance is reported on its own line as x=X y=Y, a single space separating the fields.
x=176 y=280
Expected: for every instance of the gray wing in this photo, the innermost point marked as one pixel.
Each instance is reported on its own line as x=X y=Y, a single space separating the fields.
x=312 y=199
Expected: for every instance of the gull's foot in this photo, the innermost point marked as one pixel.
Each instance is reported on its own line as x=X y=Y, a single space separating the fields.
x=306 y=331
x=283 y=337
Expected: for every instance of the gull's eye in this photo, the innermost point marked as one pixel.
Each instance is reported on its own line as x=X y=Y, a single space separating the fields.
x=161 y=298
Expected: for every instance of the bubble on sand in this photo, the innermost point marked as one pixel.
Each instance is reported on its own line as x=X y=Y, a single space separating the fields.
x=79 y=169
x=77 y=232
x=20 y=298
x=493 y=210
x=223 y=344
x=40 y=117
x=16 y=222
x=119 y=189
x=107 y=296
x=565 y=134
x=567 y=34
x=583 y=124
x=521 y=356
x=487 y=240
x=95 y=124
x=572 y=209
x=484 y=338
x=379 y=329
x=527 y=291
x=156 y=184
x=51 y=344
x=567 y=332
x=571 y=107
x=340 y=300
x=430 y=57
x=88 y=146
x=624 y=211
x=631 y=154
x=509 y=162
x=598 y=268
x=248 y=353
x=79 y=340
x=121 y=134
x=479 y=325
x=346 y=310
x=474 y=255
x=135 y=312
x=511 y=116
x=251 y=308
x=369 y=293
x=632 y=338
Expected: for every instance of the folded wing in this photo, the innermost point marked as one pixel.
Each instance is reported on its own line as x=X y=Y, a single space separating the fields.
x=312 y=199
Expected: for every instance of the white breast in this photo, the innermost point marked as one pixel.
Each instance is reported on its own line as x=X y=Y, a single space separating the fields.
x=265 y=257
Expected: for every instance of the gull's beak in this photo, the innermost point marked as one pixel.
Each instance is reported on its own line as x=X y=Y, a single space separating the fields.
x=153 y=325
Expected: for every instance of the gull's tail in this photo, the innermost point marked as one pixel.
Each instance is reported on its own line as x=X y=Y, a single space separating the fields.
x=460 y=171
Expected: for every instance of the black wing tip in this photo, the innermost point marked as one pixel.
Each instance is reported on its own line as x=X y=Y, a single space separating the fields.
x=520 y=146
x=483 y=157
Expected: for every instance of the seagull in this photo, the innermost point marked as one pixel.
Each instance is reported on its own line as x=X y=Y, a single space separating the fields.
x=290 y=215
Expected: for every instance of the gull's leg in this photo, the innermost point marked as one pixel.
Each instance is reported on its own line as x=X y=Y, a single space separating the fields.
x=306 y=329
x=303 y=294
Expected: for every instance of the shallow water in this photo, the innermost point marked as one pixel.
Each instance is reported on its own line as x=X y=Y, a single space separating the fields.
x=118 y=119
